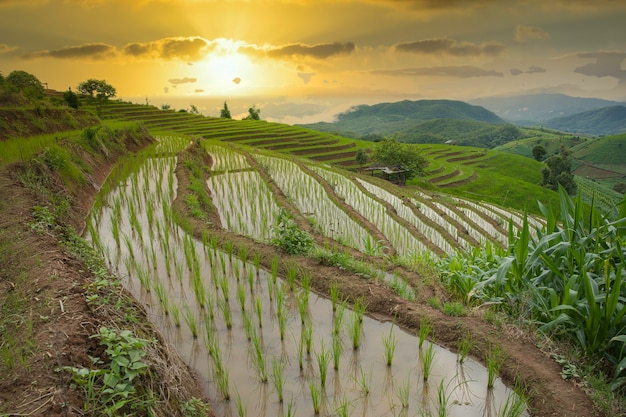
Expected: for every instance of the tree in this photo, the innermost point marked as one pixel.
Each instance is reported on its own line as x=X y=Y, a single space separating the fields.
x=22 y=81
x=539 y=152
x=98 y=90
x=193 y=109
x=361 y=157
x=253 y=114
x=71 y=98
x=390 y=152
x=558 y=171
x=225 y=113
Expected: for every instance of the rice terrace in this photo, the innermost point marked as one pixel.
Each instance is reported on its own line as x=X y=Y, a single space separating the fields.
x=159 y=262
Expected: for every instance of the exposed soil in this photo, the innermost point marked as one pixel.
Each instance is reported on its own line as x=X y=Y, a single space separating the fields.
x=45 y=318
x=526 y=363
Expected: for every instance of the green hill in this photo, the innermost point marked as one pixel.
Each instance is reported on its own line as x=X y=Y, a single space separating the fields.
x=425 y=121
x=604 y=121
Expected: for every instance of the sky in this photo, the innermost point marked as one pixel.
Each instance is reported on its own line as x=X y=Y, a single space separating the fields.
x=301 y=61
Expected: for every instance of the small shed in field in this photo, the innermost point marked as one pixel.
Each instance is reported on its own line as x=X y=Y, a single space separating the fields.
x=395 y=173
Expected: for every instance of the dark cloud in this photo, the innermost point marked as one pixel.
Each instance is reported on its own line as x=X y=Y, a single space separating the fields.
x=4 y=48
x=463 y=71
x=94 y=51
x=435 y=5
x=185 y=80
x=530 y=70
x=526 y=33
x=447 y=46
x=185 y=49
x=320 y=51
x=608 y=64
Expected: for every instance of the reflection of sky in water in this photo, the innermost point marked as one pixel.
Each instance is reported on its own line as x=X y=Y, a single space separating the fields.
x=467 y=391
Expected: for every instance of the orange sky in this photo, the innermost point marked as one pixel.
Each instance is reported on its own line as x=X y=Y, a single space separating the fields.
x=316 y=56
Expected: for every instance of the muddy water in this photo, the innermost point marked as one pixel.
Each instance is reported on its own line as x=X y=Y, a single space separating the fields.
x=168 y=271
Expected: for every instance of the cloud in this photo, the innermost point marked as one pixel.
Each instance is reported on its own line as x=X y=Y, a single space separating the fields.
x=608 y=64
x=94 y=51
x=166 y=90
x=317 y=51
x=5 y=49
x=527 y=33
x=198 y=90
x=530 y=70
x=306 y=76
x=185 y=49
x=185 y=80
x=463 y=71
x=447 y=46
x=436 y=5
x=236 y=80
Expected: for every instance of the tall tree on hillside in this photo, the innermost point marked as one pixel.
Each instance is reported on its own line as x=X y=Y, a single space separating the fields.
x=225 y=113
x=539 y=152
x=390 y=152
x=99 y=91
x=26 y=83
x=71 y=98
x=558 y=171
x=361 y=157
x=253 y=113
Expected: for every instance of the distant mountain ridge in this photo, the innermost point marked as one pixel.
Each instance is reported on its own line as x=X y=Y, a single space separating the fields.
x=603 y=121
x=423 y=121
x=532 y=109
x=422 y=110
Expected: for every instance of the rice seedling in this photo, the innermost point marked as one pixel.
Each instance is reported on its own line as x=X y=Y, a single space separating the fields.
x=390 y=342
x=291 y=408
x=224 y=287
x=241 y=296
x=259 y=357
x=292 y=273
x=274 y=267
x=247 y=324
x=243 y=254
x=334 y=294
x=403 y=392
x=175 y=313
x=342 y=408
x=226 y=313
x=514 y=406
x=251 y=280
x=359 y=307
x=303 y=305
x=443 y=399
x=463 y=347
x=278 y=378
x=307 y=335
x=305 y=282
x=338 y=317
x=316 y=396
x=190 y=318
x=223 y=383
x=425 y=328
x=242 y=411
x=355 y=331
x=256 y=261
x=494 y=359
x=301 y=351
x=259 y=310
x=427 y=357
x=322 y=362
x=230 y=248
x=364 y=381
x=336 y=349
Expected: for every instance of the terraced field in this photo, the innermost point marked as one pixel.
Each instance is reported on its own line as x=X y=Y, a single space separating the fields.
x=295 y=140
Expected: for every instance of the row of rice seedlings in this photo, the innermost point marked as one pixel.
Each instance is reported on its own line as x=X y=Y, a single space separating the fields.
x=399 y=237
x=454 y=213
x=432 y=234
x=311 y=199
x=225 y=159
x=245 y=204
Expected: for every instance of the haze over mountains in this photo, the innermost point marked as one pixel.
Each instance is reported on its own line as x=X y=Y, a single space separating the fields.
x=481 y=123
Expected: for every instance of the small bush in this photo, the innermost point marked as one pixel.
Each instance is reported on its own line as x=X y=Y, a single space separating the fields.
x=289 y=237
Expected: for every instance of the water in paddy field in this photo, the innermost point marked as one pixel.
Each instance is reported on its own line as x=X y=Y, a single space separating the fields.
x=189 y=287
